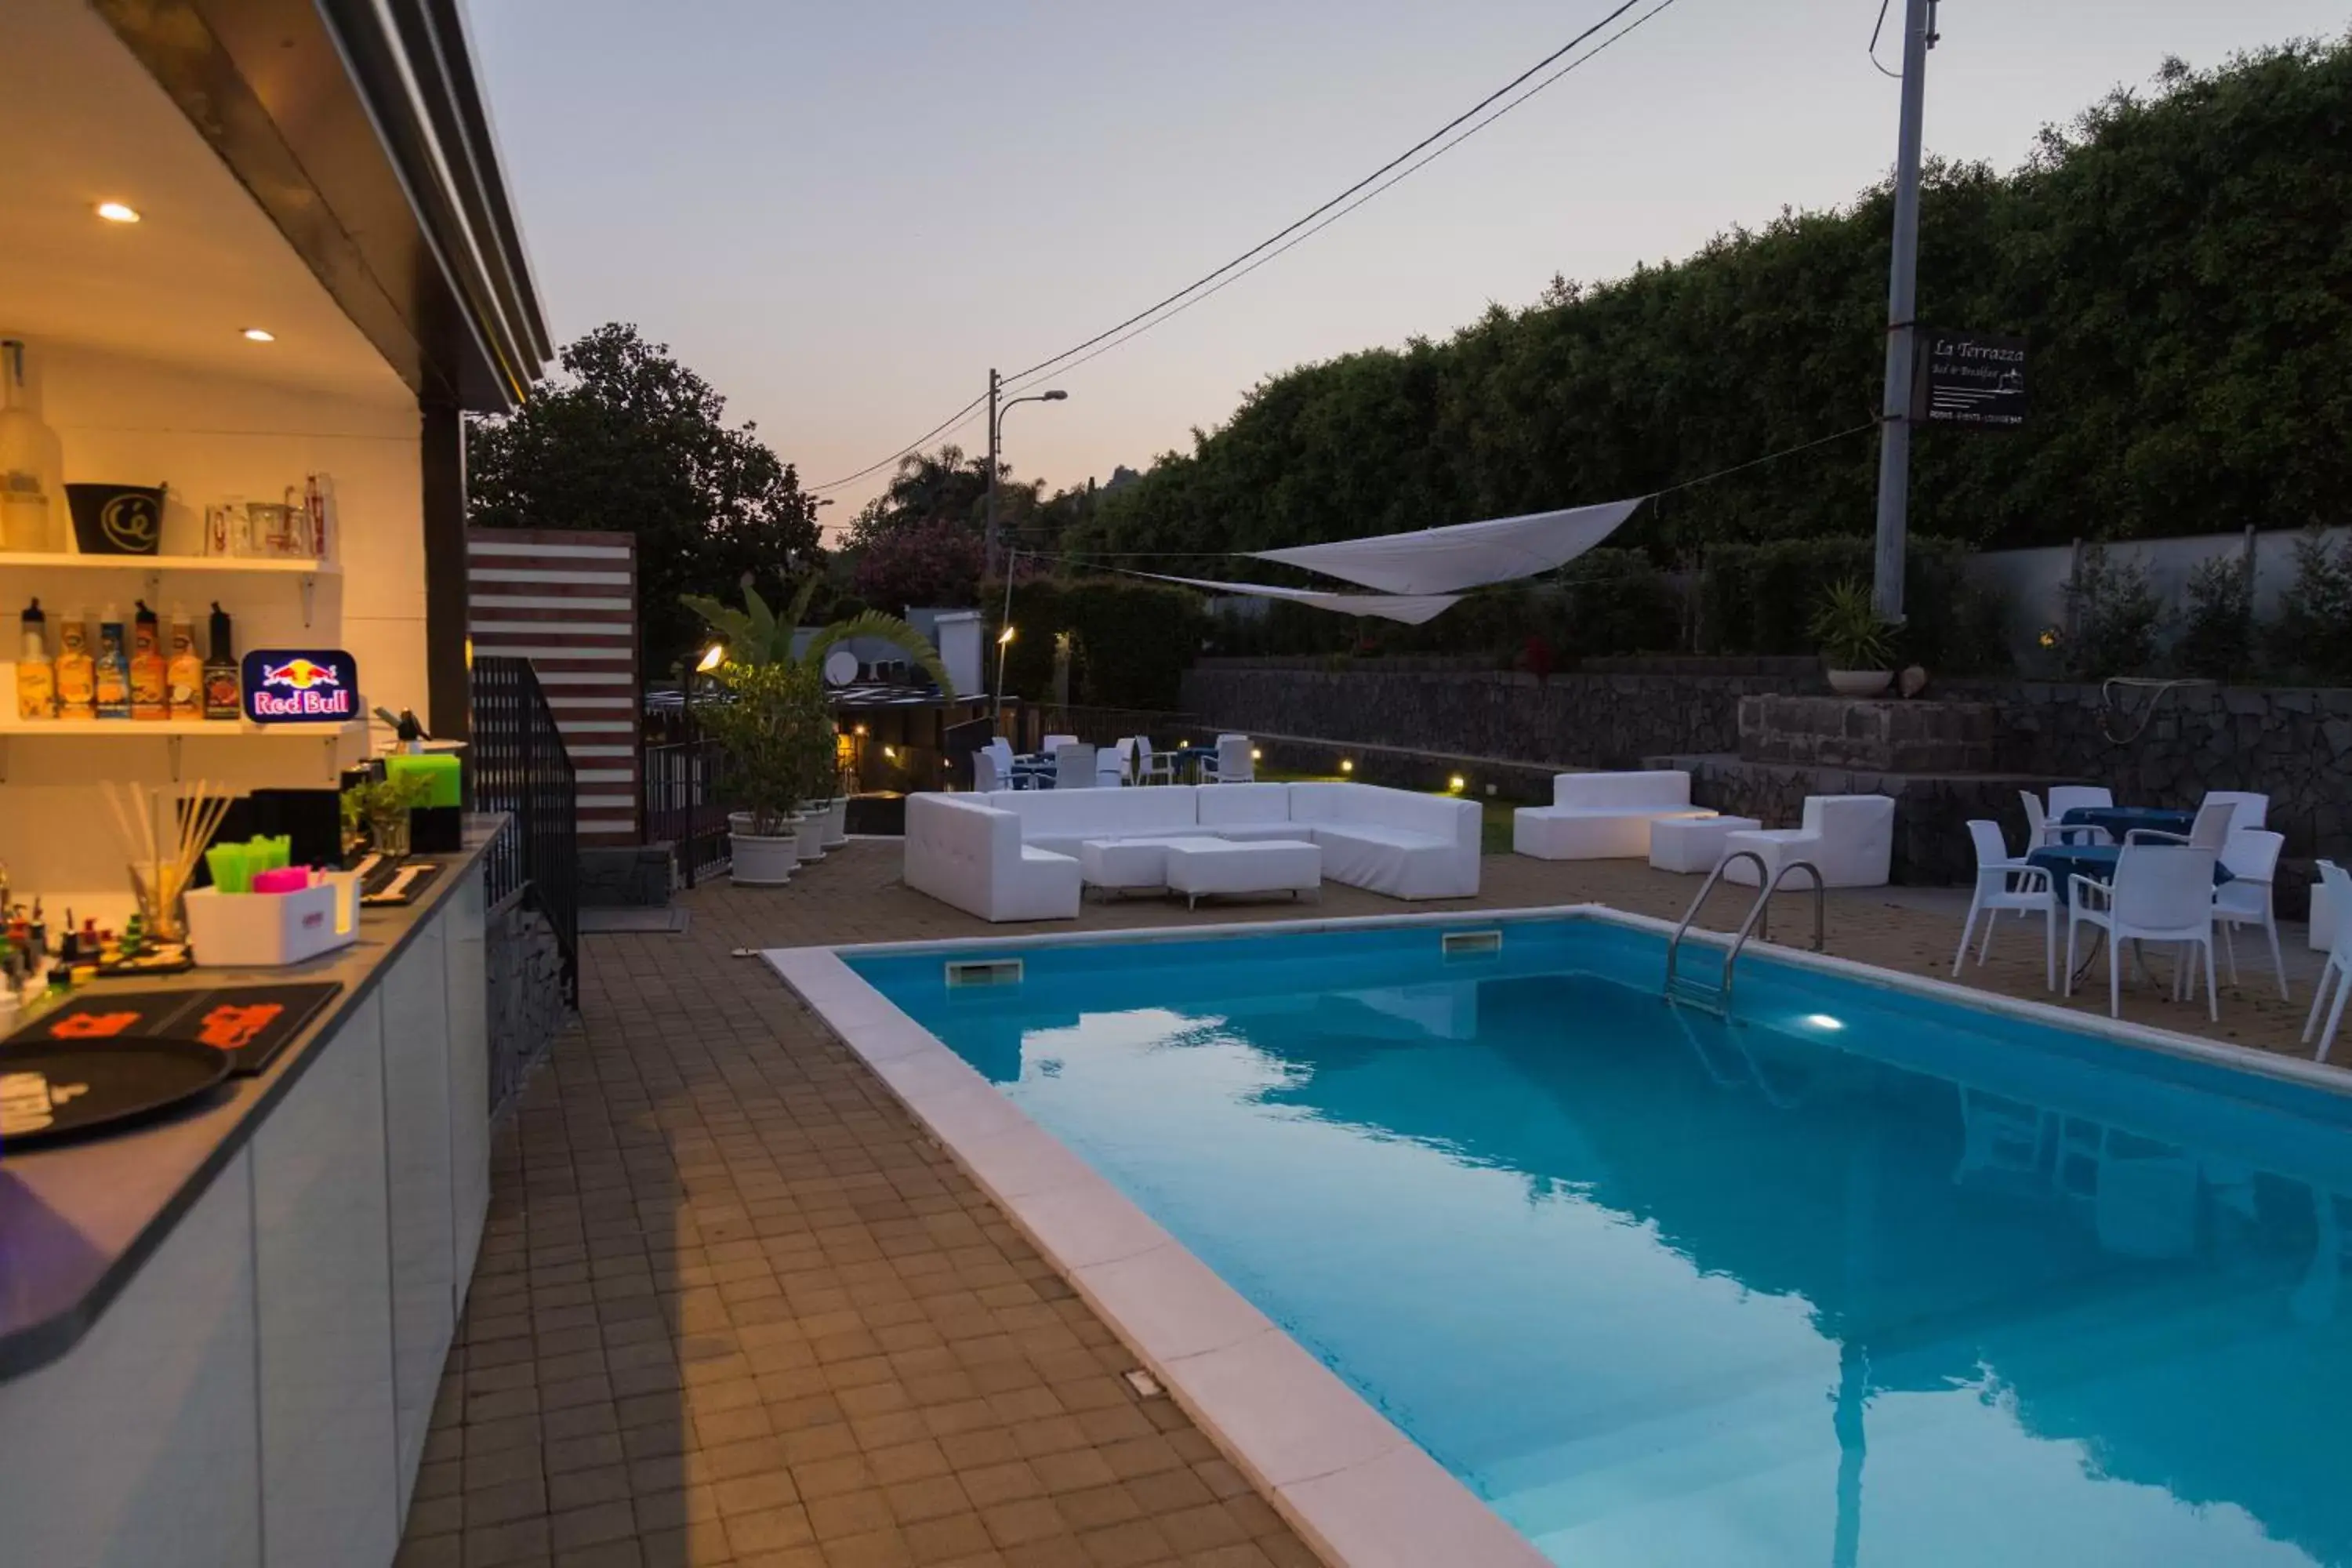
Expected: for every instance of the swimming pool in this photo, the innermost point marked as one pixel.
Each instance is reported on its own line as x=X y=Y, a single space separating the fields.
x=1869 y=1278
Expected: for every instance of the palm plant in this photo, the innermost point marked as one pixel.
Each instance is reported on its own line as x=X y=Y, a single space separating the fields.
x=1847 y=627
x=756 y=636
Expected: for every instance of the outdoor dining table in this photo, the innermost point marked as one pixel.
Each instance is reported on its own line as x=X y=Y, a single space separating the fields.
x=2117 y=820
x=1189 y=760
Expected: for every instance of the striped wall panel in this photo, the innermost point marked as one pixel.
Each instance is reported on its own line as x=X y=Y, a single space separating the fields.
x=567 y=602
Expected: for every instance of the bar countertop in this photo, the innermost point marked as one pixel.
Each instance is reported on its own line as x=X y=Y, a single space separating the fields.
x=76 y=1222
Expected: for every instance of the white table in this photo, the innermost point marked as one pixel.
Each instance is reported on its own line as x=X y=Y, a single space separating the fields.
x=1693 y=842
x=1126 y=865
x=1205 y=866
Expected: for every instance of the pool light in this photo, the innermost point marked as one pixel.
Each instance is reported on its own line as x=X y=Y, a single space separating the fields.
x=1824 y=1021
x=118 y=211
x=260 y=335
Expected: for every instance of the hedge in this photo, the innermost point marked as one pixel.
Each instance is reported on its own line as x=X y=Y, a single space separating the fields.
x=1758 y=599
x=1133 y=640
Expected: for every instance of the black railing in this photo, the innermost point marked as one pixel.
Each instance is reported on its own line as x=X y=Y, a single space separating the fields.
x=518 y=765
x=685 y=808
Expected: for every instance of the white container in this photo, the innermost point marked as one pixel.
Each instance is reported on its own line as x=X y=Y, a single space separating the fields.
x=836 y=826
x=259 y=930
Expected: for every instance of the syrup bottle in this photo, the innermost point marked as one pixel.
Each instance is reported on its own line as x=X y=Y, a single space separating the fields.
x=77 y=671
x=184 y=676
x=37 y=693
x=113 y=667
x=148 y=696
x=221 y=697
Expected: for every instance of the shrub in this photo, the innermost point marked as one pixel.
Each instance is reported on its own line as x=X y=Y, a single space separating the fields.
x=771 y=722
x=1617 y=602
x=2116 y=616
x=1759 y=599
x=2312 y=638
x=2217 y=633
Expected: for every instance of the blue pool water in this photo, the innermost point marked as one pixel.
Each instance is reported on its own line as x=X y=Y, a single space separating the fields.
x=1868 y=1279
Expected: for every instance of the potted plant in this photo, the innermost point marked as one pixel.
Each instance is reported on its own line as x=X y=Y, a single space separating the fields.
x=1854 y=643
x=769 y=718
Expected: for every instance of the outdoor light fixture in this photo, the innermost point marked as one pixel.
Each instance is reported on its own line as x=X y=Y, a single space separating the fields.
x=260 y=335
x=1004 y=636
x=117 y=212
x=1056 y=395
x=713 y=658
x=1457 y=783
x=1347 y=765
x=1256 y=755
x=862 y=730
x=890 y=753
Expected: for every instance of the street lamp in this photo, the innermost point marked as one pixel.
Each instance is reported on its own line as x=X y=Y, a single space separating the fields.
x=995 y=433
x=1003 y=654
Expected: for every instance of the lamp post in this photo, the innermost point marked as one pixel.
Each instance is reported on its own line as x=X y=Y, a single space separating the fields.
x=1902 y=329
x=995 y=432
x=1003 y=654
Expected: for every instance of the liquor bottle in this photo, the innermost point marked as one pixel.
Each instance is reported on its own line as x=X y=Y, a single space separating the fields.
x=77 y=671
x=113 y=667
x=149 y=699
x=24 y=444
x=221 y=684
x=36 y=688
x=184 y=677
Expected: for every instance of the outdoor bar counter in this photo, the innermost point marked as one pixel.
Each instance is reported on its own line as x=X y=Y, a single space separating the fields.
x=220 y=1334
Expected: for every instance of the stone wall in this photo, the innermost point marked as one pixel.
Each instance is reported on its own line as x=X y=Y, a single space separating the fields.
x=1609 y=721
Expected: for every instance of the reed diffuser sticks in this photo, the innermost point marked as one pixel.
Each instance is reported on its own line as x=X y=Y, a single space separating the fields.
x=162 y=863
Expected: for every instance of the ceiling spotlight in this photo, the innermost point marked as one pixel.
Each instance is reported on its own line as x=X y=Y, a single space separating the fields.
x=260 y=335
x=116 y=212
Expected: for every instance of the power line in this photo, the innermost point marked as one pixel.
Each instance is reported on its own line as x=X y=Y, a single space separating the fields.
x=1281 y=234
x=1425 y=160
x=961 y=416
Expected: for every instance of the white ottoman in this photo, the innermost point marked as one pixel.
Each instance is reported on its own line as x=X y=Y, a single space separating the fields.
x=1127 y=865
x=1693 y=842
x=1197 y=866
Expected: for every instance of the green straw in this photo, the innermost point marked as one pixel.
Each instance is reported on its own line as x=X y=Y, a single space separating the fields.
x=232 y=868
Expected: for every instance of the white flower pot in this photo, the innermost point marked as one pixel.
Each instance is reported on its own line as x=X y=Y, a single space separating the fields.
x=810 y=827
x=836 y=833
x=1860 y=682
x=764 y=862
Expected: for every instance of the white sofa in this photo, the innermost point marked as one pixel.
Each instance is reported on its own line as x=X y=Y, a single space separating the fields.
x=1389 y=841
x=1600 y=816
x=1850 y=838
x=966 y=852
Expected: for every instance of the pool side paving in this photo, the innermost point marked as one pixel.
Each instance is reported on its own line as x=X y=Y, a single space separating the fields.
x=735 y=1307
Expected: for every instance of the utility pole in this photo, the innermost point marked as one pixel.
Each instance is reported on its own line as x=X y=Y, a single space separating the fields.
x=1902 y=306
x=991 y=551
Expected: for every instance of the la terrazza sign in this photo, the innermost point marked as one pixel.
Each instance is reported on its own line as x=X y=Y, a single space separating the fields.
x=300 y=685
x=1968 y=378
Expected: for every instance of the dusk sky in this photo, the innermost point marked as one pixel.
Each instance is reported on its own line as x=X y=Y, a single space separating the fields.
x=842 y=215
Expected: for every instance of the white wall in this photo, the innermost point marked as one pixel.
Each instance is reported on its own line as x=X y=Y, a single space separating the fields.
x=208 y=436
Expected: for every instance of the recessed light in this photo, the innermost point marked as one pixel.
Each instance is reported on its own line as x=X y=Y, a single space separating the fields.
x=116 y=212
x=260 y=335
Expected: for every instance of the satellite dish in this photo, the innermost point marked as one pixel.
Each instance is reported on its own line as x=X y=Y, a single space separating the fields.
x=840 y=667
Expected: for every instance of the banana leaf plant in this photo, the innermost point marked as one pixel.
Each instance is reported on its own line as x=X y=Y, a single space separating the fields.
x=756 y=636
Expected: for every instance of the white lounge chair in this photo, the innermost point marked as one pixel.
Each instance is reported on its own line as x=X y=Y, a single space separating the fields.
x=2338 y=968
x=2003 y=883
x=1850 y=838
x=2254 y=806
x=2252 y=854
x=2161 y=893
x=2207 y=830
x=1231 y=764
x=2064 y=798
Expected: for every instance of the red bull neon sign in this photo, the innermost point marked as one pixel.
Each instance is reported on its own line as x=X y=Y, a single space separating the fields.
x=300 y=685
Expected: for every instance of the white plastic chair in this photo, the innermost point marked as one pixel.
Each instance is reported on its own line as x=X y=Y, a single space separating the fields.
x=1056 y=743
x=988 y=771
x=2208 y=830
x=2038 y=829
x=1074 y=765
x=2338 y=968
x=2252 y=854
x=1110 y=767
x=1149 y=769
x=2003 y=883
x=2064 y=798
x=2254 y=807
x=1233 y=763
x=2161 y=893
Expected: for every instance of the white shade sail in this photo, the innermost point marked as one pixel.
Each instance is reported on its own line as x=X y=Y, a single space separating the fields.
x=1465 y=555
x=1411 y=608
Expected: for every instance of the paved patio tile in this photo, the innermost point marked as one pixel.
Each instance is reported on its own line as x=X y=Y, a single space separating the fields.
x=734 y=1308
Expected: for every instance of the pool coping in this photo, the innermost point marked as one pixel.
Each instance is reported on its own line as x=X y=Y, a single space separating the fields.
x=1361 y=1492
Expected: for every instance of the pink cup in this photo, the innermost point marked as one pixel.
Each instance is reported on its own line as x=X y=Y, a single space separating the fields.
x=285 y=879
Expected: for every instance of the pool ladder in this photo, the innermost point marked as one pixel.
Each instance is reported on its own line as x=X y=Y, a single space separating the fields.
x=1717 y=999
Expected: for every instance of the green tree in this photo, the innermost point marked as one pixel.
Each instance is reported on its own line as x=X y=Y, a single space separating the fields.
x=633 y=442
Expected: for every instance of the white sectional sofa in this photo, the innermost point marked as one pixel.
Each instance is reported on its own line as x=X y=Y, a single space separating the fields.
x=1389 y=841
x=1600 y=816
x=1850 y=838
x=965 y=852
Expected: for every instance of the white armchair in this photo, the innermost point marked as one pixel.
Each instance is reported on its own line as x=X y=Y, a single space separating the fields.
x=2254 y=806
x=2338 y=969
x=966 y=853
x=2161 y=893
x=2208 y=830
x=1850 y=838
x=2004 y=883
x=1151 y=769
x=2252 y=855
x=1234 y=762
x=1074 y=765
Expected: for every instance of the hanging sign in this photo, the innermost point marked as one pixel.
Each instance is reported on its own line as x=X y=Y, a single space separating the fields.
x=1968 y=378
x=300 y=685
